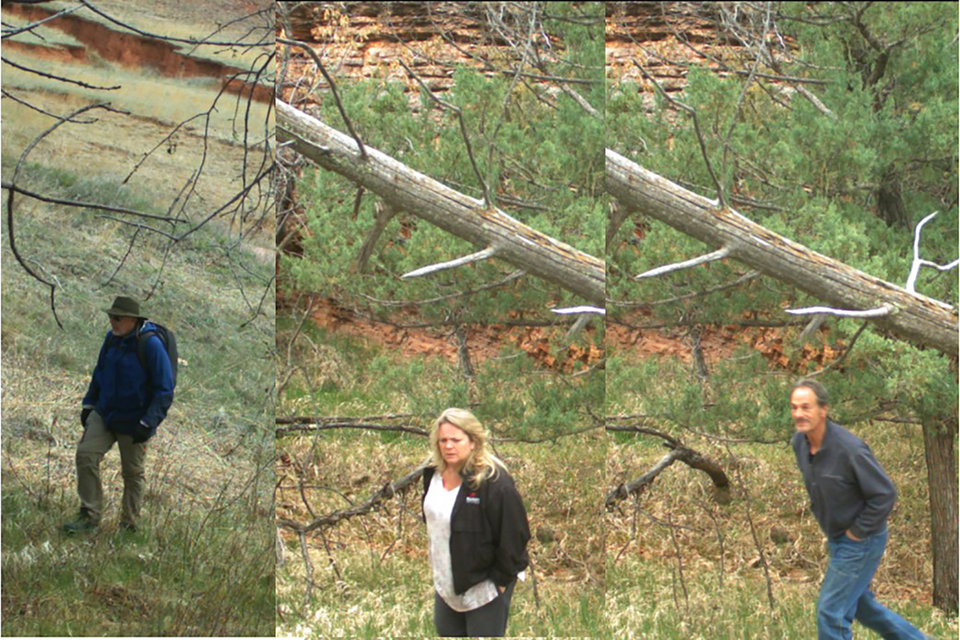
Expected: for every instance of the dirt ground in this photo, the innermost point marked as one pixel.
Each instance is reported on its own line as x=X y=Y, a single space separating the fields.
x=483 y=341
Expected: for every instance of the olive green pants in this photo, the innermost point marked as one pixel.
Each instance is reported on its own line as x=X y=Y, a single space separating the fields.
x=96 y=441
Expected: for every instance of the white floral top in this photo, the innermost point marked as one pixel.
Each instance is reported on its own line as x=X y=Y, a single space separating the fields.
x=438 y=508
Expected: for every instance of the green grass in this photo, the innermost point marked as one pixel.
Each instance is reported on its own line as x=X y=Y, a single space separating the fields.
x=386 y=587
x=148 y=95
x=204 y=562
x=333 y=373
x=728 y=598
x=177 y=576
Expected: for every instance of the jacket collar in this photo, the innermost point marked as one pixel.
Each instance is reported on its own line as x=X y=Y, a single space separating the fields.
x=829 y=435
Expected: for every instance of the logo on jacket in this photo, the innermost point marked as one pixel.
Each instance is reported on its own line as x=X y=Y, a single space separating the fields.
x=472 y=498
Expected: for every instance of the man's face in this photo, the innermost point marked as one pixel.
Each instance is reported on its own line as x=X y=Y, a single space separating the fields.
x=808 y=416
x=122 y=325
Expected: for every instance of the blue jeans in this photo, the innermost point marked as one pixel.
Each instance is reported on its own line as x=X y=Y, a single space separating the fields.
x=845 y=593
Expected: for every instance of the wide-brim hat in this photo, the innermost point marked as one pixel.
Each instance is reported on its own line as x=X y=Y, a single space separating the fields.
x=124 y=306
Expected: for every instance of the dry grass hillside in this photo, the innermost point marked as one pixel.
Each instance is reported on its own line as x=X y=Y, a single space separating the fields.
x=202 y=563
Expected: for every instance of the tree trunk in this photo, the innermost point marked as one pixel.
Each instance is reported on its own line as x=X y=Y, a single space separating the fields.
x=618 y=214
x=914 y=317
x=890 y=200
x=454 y=212
x=938 y=439
x=385 y=214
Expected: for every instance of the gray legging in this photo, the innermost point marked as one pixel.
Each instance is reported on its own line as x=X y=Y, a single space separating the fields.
x=488 y=621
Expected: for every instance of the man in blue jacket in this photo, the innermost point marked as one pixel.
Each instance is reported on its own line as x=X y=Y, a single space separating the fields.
x=851 y=497
x=126 y=401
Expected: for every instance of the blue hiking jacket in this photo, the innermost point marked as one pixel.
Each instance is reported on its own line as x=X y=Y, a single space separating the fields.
x=123 y=392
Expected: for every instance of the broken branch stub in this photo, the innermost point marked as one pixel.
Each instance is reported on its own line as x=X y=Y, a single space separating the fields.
x=454 y=212
x=916 y=318
x=479 y=256
x=843 y=313
x=713 y=256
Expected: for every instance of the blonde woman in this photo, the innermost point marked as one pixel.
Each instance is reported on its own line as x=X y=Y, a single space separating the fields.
x=477 y=528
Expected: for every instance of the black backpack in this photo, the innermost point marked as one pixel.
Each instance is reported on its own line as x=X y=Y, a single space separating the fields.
x=169 y=344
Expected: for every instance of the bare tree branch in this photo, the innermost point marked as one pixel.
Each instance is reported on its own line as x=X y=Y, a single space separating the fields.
x=680 y=452
x=918 y=262
x=879 y=312
x=750 y=275
x=85 y=205
x=519 y=273
x=333 y=90
x=456 y=213
x=33 y=25
x=479 y=256
x=39 y=110
x=713 y=256
x=487 y=196
x=57 y=78
x=836 y=363
x=11 y=190
x=918 y=318
x=308 y=428
x=696 y=127
x=388 y=491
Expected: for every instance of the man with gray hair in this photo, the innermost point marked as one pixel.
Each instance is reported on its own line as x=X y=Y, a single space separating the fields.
x=851 y=497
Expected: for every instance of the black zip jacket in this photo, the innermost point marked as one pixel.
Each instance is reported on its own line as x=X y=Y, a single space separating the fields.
x=488 y=531
x=849 y=490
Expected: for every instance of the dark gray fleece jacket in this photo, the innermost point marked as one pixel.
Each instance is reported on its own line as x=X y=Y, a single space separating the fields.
x=848 y=488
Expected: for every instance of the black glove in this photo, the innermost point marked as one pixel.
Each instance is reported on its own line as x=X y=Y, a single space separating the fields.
x=141 y=434
x=84 y=414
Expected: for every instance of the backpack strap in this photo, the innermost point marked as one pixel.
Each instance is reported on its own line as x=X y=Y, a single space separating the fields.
x=142 y=339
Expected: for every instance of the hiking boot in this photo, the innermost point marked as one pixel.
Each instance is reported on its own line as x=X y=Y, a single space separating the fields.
x=80 y=525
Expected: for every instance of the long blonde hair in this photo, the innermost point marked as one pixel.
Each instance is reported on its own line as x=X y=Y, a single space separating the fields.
x=481 y=463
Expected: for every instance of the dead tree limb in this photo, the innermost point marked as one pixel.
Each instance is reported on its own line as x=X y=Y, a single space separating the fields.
x=753 y=531
x=519 y=273
x=307 y=428
x=750 y=275
x=388 y=491
x=455 y=213
x=308 y=425
x=320 y=419
x=627 y=489
x=333 y=90
x=914 y=317
x=487 y=193
x=678 y=451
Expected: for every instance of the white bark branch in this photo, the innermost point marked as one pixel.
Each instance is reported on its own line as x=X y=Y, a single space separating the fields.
x=479 y=256
x=815 y=101
x=879 y=312
x=454 y=212
x=918 y=261
x=918 y=319
x=582 y=309
x=580 y=100
x=719 y=254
